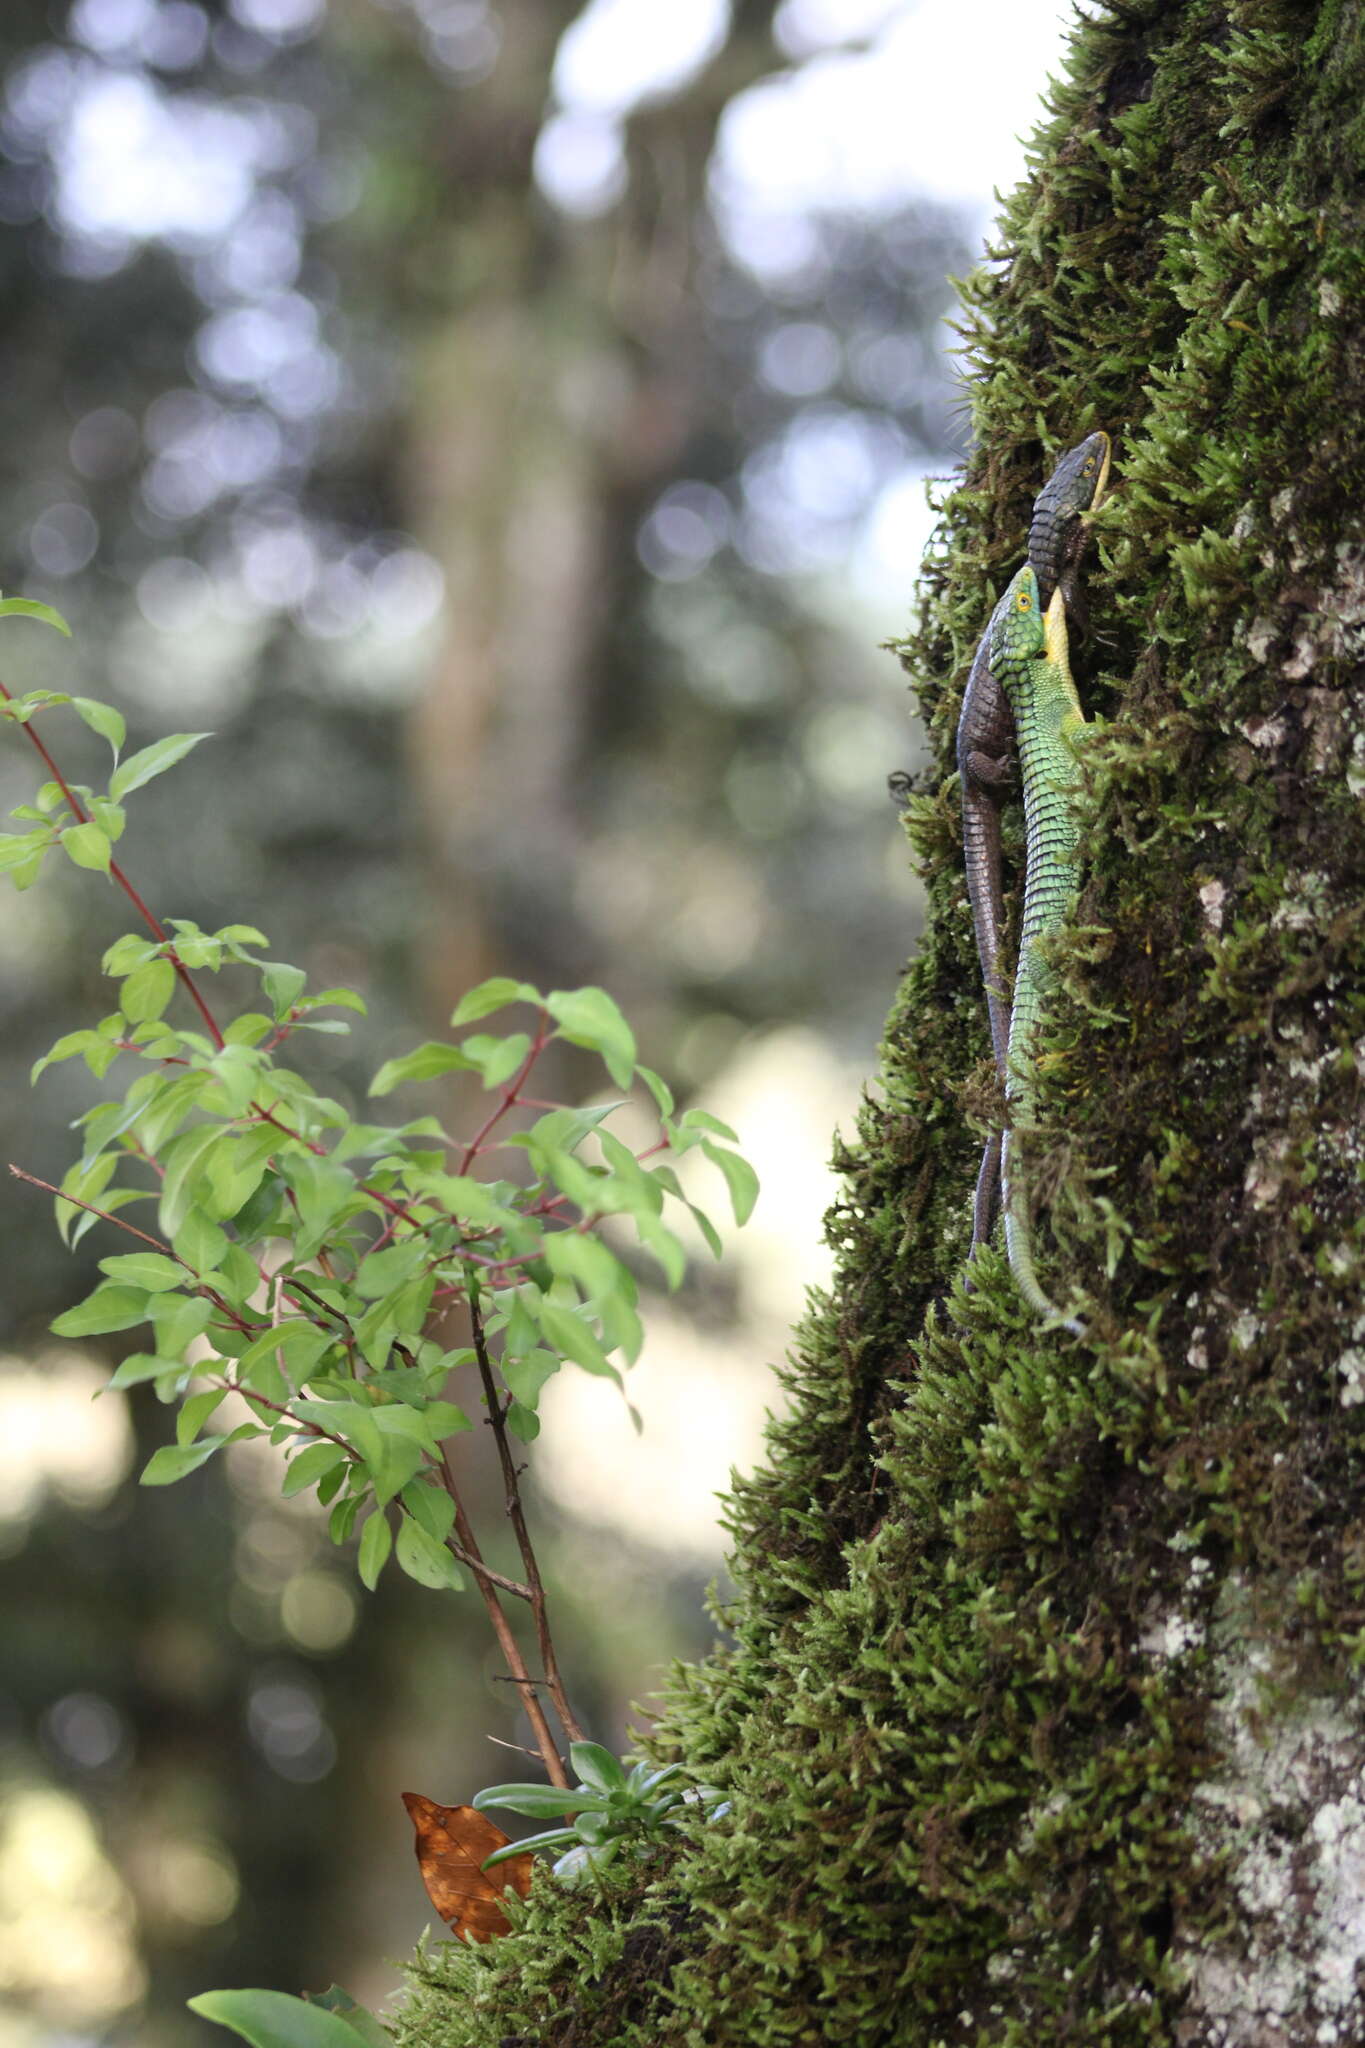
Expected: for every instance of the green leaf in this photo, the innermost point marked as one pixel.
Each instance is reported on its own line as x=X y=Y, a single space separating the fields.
x=597 y=1767
x=740 y=1178
x=87 y=846
x=182 y=1160
x=587 y=1261
x=322 y=1190
x=140 y=1366
x=708 y=1230
x=340 y=2001
x=237 y=1070
x=300 y=1343
x=149 y=1270
x=472 y=1201
x=178 y=1319
x=282 y=984
x=430 y=1505
x=702 y=1120
x=658 y=1088
x=425 y=1064
x=233 y=1171
x=127 y=953
x=523 y=1422
x=382 y=1271
x=310 y=1465
x=526 y=1373
x=497 y=1059
x=18 y=850
x=112 y=1306
x=103 y=719
x=665 y=1247
x=440 y=1419
x=341 y=1521
x=152 y=761
x=147 y=991
x=390 y=1458
x=589 y=1017
x=272 y=2019
x=376 y=1541
x=570 y=1335
x=425 y=1559
x=338 y=998
x=199 y=1242
x=539 y=1802
x=490 y=995
x=111 y=818
x=196 y=1413
x=240 y=1275
x=176 y=1461
x=168 y=1103
x=552 y=1838
x=29 y=608
x=66 y=1048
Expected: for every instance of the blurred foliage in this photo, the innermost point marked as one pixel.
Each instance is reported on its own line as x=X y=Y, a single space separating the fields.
x=291 y=344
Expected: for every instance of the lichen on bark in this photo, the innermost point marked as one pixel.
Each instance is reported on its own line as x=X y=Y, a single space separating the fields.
x=1040 y=1717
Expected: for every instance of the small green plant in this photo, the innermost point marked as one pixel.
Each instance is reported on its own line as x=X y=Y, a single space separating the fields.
x=356 y=1292
x=614 y=1809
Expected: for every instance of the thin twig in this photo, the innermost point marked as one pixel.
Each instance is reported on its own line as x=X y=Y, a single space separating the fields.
x=104 y=1214
x=517 y=1517
x=542 y=1039
x=149 y=918
x=502 y=1629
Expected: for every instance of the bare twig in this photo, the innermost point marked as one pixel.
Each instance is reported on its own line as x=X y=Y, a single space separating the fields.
x=502 y=1629
x=516 y=1516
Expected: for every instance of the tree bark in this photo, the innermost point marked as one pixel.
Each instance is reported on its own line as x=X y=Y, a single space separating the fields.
x=1040 y=1720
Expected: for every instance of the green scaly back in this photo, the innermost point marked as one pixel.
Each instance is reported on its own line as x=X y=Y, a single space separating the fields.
x=1030 y=661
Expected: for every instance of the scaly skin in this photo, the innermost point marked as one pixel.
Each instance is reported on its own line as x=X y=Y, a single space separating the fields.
x=985 y=745
x=1030 y=662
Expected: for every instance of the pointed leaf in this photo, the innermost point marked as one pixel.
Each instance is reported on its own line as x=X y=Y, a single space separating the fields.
x=175 y=1461
x=376 y=1541
x=490 y=995
x=426 y=1560
x=103 y=719
x=29 y=608
x=87 y=846
x=152 y=761
x=589 y=1017
x=272 y=2019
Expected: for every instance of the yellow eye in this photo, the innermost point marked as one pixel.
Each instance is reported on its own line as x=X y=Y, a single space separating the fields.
x=1089 y=464
x=1025 y=603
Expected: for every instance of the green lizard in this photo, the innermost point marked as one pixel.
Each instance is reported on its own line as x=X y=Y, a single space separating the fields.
x=985 y=741
x=1030 y=661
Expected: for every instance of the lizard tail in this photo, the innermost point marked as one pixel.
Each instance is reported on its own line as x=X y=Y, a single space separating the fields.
x=1019 y=1237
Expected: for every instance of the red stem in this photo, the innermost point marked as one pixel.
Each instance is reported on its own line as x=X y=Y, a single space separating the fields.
x=542 y=1038
x=152 y=922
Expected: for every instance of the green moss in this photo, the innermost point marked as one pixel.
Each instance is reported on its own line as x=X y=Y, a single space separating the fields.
x=962 y=1766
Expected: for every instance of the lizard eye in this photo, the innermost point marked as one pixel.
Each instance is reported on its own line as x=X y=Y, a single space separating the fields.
x=1089 y=464
x=1024 y=601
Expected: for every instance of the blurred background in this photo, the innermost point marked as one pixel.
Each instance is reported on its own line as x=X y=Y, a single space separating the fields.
x=506 y=425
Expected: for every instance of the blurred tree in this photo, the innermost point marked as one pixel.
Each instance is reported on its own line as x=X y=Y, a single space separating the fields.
x=292 y=339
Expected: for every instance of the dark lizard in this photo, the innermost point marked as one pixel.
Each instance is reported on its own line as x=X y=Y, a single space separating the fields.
x=986 y=746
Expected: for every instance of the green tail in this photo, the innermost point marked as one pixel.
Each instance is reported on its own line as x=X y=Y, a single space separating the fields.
x=1019 y=1239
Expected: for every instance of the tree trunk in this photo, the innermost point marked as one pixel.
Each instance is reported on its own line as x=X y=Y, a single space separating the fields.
x=1040 y=1722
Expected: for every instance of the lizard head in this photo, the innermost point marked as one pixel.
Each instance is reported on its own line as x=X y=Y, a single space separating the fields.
x=1078 y=482
x=1018 y=627
x=1076 y=485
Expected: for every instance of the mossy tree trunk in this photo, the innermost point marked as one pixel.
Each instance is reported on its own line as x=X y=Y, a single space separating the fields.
x=1041 y=1722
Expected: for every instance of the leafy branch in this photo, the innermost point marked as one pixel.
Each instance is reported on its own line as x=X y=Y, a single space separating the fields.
x=304 y=1266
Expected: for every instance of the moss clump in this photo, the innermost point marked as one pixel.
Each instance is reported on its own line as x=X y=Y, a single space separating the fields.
x=974 y=1698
